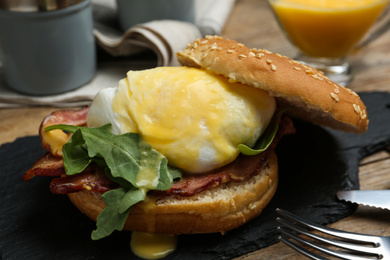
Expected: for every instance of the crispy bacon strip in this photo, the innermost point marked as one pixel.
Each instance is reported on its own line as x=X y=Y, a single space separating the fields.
x=54 y=140
x=240 y=170
x=92 y=179
x=47 y=165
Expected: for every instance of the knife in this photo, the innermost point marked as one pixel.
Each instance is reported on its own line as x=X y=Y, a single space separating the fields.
x=373 y=198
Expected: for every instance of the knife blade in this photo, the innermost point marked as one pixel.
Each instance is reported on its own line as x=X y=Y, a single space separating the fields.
x=373 y=198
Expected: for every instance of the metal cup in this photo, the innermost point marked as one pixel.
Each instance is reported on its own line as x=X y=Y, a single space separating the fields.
x=44 y=51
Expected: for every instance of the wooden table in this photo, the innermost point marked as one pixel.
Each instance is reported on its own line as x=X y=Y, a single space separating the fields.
x=253 y=24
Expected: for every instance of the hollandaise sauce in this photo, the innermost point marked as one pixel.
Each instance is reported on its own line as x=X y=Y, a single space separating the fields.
x=194 y=118
x=152 y=246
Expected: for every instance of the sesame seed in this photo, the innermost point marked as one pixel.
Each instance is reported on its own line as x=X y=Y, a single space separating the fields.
x=297 y=68
x=336 y=91
x=241 y=44
x=252 y=54
x=356 y=108
x=219 y=48
x=280 y=56
x=269 y=61
x=309 y=71
x=359 y=111
x=352 y=92
x=273 y=67
x=363 y=114
x=334 y=96
x=204 y=42
x=230 y=51
x=214 y=47
x=259 y=55
x=242 y=56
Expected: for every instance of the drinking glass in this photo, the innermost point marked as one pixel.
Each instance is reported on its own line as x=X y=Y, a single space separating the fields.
x=326 y=32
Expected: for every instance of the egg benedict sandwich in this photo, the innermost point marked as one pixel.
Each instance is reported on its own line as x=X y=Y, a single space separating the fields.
x=183 y=150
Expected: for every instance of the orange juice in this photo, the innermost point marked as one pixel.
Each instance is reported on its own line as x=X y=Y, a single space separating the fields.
x=327 y=28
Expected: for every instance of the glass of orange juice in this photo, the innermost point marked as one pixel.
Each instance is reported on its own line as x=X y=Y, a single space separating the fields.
x=327 y=31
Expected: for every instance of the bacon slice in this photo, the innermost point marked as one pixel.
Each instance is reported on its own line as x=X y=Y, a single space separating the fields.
x=92 y=179
x=47 y=165
x=54 y=140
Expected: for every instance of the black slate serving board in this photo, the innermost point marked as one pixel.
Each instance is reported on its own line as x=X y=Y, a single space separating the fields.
x=314 y=164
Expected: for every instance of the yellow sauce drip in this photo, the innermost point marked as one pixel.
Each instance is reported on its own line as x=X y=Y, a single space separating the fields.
x=55 y=139
x=152 y=246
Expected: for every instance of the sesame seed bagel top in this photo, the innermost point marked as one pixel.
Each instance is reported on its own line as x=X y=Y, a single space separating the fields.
x=312 y=95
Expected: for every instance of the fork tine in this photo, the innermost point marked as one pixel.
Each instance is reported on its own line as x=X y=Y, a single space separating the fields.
x=330 y=231
x=353 y=247
x=292 y=226
x=302 y=250
x=316 y=247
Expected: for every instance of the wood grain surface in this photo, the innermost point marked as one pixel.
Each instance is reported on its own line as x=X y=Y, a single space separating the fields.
x=252 y=23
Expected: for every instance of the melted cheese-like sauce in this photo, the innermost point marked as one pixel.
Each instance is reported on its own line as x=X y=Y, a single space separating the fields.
x=55 y=139
x=152 y=246
x=194 y=118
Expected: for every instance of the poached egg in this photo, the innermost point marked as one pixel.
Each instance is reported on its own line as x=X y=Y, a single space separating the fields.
x=194 y=118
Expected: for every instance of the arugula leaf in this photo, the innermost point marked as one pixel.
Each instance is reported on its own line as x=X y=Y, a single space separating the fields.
x=131 y=197
x=266 y=138
x=110 y=218
x=127 y=160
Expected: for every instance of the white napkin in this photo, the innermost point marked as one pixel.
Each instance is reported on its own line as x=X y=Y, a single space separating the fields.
x=164 y=37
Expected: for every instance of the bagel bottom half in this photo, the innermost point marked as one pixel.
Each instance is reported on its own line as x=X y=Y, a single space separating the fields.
x=219 y=209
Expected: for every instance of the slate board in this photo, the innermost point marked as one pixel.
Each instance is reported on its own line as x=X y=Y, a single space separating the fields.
x=314 y=164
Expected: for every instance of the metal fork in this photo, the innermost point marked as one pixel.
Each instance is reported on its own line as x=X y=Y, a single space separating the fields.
x=353 y=245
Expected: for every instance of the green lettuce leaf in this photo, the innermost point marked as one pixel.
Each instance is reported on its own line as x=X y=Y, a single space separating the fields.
x=127 y=160
x=266 y=138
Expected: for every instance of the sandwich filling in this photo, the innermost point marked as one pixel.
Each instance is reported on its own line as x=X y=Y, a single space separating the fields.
x=153 y=131
x=194 y=118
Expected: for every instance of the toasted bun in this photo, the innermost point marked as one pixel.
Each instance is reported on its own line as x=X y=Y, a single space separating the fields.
x=312 y=95
x=220 y=209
